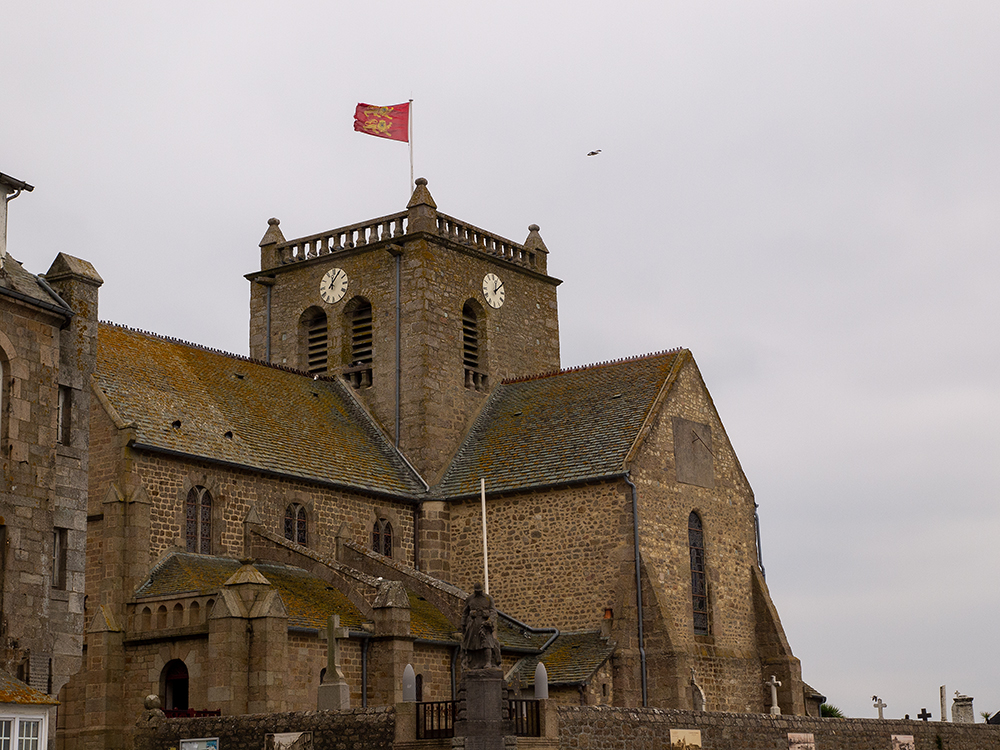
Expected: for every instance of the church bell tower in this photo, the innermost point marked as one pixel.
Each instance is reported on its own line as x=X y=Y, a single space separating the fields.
x=420 y=313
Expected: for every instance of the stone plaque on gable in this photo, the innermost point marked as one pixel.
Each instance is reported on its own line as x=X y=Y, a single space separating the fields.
x=801 y=741
x=288 y=741
x=903 y=742
x=684 y=738
x=693 y=453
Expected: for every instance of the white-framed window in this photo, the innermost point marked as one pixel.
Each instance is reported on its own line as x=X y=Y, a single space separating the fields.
x=27 y=732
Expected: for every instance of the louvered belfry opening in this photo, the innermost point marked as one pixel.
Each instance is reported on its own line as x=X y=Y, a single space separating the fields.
x=316 y=344
x=471 y=349
x=359 y=370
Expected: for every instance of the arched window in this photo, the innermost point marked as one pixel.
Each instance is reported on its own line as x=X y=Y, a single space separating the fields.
x=473 y=356
x=199 y=521
x=295 y=523
x=382 y=537
x=314 y=334
x=174 y=685
x=699 y=583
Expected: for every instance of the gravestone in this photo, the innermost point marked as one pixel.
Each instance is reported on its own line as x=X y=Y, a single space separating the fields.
x=879 y=704
x=924 y=715
x=481 y=694
x=961 y=709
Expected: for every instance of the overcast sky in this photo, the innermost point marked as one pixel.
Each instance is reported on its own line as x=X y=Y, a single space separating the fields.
x=805 y=194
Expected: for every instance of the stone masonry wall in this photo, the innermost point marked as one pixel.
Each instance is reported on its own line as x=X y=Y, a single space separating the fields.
x=605 y=728
x=726 y=661
x=437 y=278
x=357 y=729
x=557 y=558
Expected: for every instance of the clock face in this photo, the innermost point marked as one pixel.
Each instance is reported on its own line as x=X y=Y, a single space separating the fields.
x=493 y=290
x=333 y=285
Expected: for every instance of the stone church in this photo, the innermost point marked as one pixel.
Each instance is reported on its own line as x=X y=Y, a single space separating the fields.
x=400 y=370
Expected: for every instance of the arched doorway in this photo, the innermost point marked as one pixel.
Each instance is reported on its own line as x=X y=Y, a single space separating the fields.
x=174 y=685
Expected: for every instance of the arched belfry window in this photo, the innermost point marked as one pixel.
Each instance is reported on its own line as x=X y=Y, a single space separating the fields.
x=699 y=582
x=295 y=523
x=473 y=351
x=314 y=333
x=359 y=341
x=198 y=517
x=382 y=537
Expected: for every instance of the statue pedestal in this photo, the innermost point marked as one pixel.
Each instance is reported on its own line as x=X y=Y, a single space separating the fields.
x=480 y=718
x=333 y=696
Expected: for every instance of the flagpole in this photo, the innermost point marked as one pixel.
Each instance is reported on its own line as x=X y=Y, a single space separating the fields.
x=409 y=140
x=486 y=564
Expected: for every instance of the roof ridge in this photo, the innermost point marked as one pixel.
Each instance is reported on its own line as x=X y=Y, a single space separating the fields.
x=222 y=352
x=592 y=366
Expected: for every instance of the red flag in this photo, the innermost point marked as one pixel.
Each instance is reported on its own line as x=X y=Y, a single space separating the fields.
x=385 y=122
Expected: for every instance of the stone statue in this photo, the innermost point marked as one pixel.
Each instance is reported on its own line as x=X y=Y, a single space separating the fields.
x=479 y=631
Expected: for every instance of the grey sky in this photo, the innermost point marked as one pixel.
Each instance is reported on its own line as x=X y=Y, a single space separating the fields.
x=805 y=194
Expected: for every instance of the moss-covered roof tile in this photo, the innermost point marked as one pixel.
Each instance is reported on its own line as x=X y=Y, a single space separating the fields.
x=568 y=426
x=220 y=407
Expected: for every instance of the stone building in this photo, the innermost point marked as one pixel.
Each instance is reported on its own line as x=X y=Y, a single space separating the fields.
x=48 y=340
x=398 y=367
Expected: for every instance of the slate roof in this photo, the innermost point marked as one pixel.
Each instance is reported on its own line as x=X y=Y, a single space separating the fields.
x=309 y=600
x=15 y=691
x=563 y=427
x=278 y=420
x=15 y=281
x=572 y=659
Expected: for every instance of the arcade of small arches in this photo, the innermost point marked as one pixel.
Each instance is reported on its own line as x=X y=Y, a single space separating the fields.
x=177 y=614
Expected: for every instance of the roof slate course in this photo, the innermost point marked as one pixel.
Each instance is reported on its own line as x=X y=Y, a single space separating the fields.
x=243 y=412
x=564 y=427
x=15 y=278
x=573 y=658
x=14 y=691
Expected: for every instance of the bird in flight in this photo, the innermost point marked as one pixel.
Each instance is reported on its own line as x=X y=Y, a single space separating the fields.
x=594 y=153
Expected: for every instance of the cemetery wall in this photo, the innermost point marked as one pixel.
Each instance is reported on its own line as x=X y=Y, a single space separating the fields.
x=355 y=729
x=606 y=728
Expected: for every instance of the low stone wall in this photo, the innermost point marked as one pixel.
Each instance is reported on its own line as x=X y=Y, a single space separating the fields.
x=608 y=728
x=355 y=729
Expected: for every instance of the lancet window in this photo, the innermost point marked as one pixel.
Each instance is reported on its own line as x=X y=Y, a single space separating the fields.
x=699 y=582
x=382 y=537
x=198 y=517
x=295 y=523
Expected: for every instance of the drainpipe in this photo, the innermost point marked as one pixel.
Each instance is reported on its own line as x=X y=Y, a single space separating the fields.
x=364 y=672
x=454 y=662
x=756 y=528
x=397 y=252
x=638 y=586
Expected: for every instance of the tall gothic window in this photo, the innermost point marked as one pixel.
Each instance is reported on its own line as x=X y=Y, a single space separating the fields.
x=295 y=523
x=382 y=537
x=199 y=521
x=699 y=584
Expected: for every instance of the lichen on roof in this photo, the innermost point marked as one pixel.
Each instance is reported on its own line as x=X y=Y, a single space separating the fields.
x=569 y=426
x=208 y=404
x=16 y=692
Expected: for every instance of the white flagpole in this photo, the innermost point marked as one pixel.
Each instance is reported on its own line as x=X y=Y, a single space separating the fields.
x=486 y=563
x=409 y=140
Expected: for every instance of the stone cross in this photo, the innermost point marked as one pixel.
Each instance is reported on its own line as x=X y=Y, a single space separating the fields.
x=879 y=705
x=774 y=683
x=334 y=694
x=924 y=715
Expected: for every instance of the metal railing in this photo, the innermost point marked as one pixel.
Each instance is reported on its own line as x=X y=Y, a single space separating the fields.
x=524 y=717
x=436 y=719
